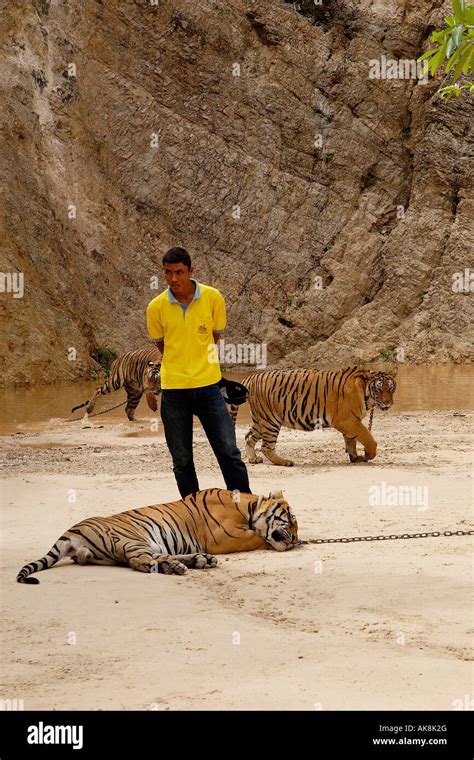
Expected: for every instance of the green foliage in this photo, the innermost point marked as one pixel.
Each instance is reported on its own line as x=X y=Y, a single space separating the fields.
x=456 y=46
x=104 y=356
x=385 y=355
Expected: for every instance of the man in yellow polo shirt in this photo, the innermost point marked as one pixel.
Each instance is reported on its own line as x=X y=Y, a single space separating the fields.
x=185 y=322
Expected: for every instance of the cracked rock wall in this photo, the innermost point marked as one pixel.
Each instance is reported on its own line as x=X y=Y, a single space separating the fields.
x=331 y=209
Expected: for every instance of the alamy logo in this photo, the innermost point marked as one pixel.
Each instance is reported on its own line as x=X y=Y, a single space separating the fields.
x=238 y=353
x=12 y=704
x=463 y=282
x=463 y=704
x=41 y=734
x=12 y=282
x=392 y=68
x=385 y=495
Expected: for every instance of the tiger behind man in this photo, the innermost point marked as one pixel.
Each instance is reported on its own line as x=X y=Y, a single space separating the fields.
x=304 y=399
x=169 y=538
x=138 y=372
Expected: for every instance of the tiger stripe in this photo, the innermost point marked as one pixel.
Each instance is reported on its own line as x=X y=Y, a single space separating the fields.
x=170 y=537
x=138 y=372
x=303 y=399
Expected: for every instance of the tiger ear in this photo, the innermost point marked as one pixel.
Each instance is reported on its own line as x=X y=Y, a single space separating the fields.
x=275 y=495
x=367 y=374
x=388 y=369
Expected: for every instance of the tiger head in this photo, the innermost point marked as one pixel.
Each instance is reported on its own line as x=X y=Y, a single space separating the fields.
x=153 y=376
x=379 y=390
x=274 y=521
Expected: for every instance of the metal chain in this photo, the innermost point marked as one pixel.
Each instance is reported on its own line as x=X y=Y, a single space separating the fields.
x=96 y=414
x=434 y=534
x=371 y=418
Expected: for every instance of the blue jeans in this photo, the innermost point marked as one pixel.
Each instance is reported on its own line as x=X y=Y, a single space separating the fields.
x=207 y=403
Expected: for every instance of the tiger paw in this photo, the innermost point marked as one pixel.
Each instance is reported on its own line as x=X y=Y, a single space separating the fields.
x=204 y=560
x=171 y=567
x=279 y=462
x=255 y=460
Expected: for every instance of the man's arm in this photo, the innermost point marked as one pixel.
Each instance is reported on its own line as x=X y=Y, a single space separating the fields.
x=155 y=328
x=219 y=317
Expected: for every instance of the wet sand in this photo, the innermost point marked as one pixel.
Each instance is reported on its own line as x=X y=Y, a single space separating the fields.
x=380 y=625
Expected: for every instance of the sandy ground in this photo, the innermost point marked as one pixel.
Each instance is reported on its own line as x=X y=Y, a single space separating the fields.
x=382 y=625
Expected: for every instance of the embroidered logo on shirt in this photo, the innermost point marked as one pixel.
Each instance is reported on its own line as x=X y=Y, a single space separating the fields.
x=202 y=329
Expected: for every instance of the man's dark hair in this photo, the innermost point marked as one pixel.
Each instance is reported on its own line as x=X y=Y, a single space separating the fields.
x=177 y=256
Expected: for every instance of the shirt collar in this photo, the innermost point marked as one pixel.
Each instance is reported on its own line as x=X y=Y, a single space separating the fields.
x=197 y=292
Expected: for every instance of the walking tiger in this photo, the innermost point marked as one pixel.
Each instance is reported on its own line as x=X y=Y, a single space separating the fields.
x=304 y=399
x=138 y=372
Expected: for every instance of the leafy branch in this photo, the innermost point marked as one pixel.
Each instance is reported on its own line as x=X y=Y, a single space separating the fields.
x=456 y=46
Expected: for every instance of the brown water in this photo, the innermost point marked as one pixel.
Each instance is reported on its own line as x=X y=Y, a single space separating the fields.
x=442 y=387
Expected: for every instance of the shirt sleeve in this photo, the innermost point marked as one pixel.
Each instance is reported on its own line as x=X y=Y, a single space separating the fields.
x=218 y=313
x=153 y=322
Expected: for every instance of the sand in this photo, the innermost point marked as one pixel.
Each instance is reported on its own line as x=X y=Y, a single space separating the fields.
x=381 y=625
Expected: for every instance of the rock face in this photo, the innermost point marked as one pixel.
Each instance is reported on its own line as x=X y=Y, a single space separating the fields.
x=330 y=208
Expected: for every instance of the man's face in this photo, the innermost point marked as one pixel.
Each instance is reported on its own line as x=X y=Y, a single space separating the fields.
x=178 y=276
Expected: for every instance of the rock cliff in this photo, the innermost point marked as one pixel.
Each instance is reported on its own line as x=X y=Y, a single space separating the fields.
x=330 y=208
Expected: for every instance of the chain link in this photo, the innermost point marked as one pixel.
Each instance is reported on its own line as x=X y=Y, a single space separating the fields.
x=96 y=414
x=393 y=537
x=371 y=418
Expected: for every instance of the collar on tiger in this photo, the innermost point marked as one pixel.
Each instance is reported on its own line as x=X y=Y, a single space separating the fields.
x=368 y=397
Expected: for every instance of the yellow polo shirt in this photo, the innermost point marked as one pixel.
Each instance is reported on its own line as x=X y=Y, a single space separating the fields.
x=190 y=359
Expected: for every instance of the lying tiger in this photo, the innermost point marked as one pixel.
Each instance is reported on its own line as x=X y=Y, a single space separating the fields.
x=169 y=538
x=136 y=371
x=304 y=399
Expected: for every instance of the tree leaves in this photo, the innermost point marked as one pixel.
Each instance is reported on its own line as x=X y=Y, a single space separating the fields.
x=456 y=46
x=464 y=63
x=458 y=8
x=455 y=89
